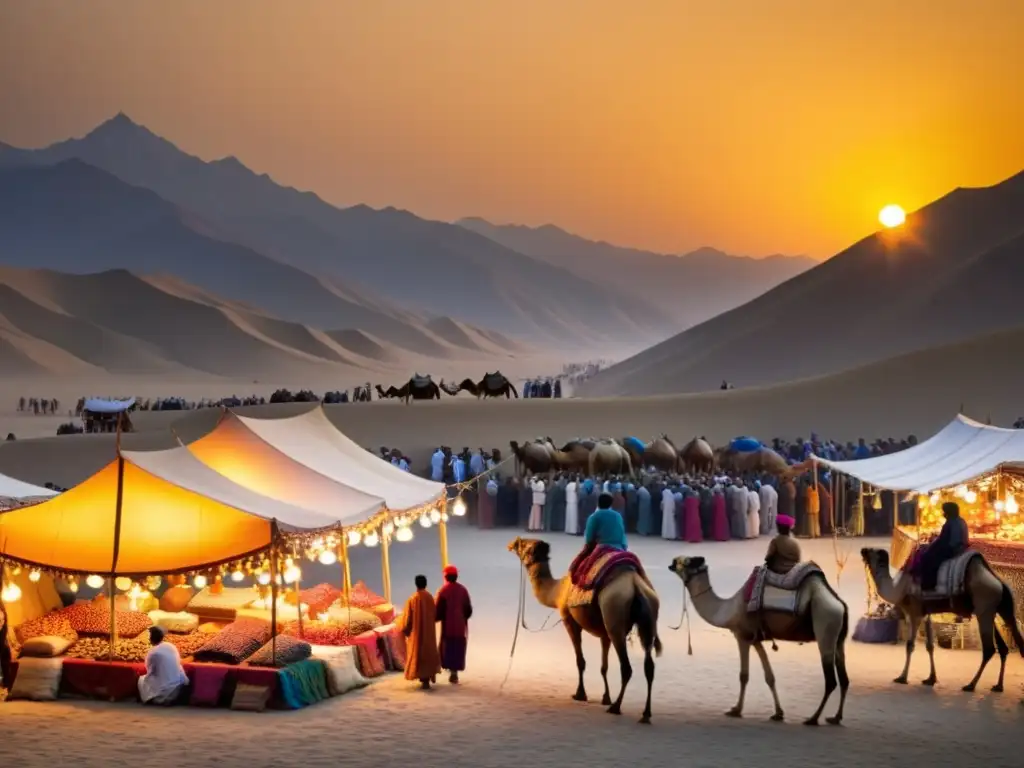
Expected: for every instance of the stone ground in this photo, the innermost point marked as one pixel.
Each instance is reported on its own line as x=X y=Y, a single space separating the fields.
x=531 y=721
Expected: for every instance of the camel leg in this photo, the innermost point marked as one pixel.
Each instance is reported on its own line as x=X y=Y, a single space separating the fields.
x=606 y=644
x=649 y=674
x=929 y=645
x=769 y=677
x=576 y=635
x=744 y=646
x=987 y=627
x=1004 y=651
x=826 y=636
x=625 y=669
x=914 y=620
x=844 y=682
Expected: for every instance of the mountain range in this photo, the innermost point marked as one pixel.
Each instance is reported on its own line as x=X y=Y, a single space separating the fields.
x=692 y=287
x=122 y=197
x=952 y=272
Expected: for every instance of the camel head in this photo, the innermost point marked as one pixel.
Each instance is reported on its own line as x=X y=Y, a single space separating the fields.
x=687 y=568
x=530 y=551
x=875 y=558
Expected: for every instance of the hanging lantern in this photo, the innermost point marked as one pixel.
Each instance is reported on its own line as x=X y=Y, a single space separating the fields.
x=444 y=517
x=1011 y=505
x=292 y=574
x=153 y=583
x=199 y=581
x=354 y=537
x=16 y=571
x=922 y=501
x=435 y=516
x=877 y=504
x=371 y=539
x=388 y=528
x=33 y=576
x=970 y=497
x=237 y=575
x=11 y=593
x=425 y=521
x=95 y=581
x=123 y=583
x=327 y=557
x=73 y=586
x=263 y=578
x=404 y=534
x=459 y=507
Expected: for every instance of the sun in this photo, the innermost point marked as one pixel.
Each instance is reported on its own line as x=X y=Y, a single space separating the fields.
x=892 y=216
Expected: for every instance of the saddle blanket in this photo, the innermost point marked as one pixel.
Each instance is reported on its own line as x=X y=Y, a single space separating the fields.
x=588 y=572
x=767 y=590
x=952 y=575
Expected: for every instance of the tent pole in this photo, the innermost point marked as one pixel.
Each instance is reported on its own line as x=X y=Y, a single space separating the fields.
x=346 y=572
x=298 y=605
x=118 y=504
x=273 y=604
x=113 y=618
x=442 y=529
x=385 y=563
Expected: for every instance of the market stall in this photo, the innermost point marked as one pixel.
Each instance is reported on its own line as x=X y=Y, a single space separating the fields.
x=980 y=467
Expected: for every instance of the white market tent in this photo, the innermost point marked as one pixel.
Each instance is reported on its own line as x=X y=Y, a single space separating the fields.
x=12 y=488
x=962 y=451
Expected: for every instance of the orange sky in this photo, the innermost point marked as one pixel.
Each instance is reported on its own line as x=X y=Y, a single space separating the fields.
x=756 y=126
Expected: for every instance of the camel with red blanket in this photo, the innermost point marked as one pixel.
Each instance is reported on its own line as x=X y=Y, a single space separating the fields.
x=609 y=595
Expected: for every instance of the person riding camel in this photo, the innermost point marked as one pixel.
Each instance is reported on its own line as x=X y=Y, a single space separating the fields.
x=604 y=528
x=783 y=551
x=952 y=540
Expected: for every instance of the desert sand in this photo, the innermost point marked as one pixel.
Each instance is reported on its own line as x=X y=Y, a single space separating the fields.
x=531 y=721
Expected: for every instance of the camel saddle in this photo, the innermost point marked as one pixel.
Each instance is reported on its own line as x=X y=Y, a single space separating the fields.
x=951 y=580
x=419 y=382
x=494 y=380
x=767 y=590
x=587 y=574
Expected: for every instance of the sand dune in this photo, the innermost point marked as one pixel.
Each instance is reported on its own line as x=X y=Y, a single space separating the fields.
x=916 y=393
x=463 y=336
x=365 y=345
x=953 y=271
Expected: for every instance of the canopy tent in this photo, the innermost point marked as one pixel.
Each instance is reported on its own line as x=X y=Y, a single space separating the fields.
x=962 y=451
x=312 y=440
x=16 y=489
x=237 y=452
x=100 y=405
x=150 y=513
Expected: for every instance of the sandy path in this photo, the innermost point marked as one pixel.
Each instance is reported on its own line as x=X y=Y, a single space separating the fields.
x=532 y=722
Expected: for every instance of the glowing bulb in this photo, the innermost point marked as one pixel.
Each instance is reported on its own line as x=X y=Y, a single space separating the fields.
x=435 y=516
x=16 y=571
x=123 y=583
x=404 y=534
x=877 y=504
x=11 y=593
x=95 y=582
x=73 y=586
x=444 y=517
x=135 y=592
x=970 y=497
x=354 y=537
x=934 y=499
x=288 y=562
x=327 y=557
x=292 y=574
x=237 y=575
x=387 y=529
x=33 y=576
x=199 y=581
x=264 y=578
x=317 y=544
x=154 y=582
x=425 y=521
x=999 y=505
x=459 y=507
x=961 y=491
x=371 y=539
x=1011 y=505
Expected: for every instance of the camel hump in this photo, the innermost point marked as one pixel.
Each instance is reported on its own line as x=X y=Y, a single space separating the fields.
x=494 y=380
x=420 y=381
x=767 y=590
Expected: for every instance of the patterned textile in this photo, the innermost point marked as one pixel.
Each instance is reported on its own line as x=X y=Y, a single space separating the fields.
x=53 y=624
x=94 y=619
x=179 y=623
x=952 y=575
x=362 y=596
x=319 y=632
x=357 y=620
x=587 y=573
x=221 y=605
x=788 y=582
x=236 y=642
x=187 y=645
x=289 y=651
x=133 y=649
x=250 y=698
x=207 y=685
x=304 y=683
x=319 y=598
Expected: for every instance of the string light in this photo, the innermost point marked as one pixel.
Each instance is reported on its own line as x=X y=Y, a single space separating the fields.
x=435 y=516
x=33 y=576
x=387 y=529
x=153 y=582
x=425 y=521
x=292 y=574
x=354 y=537
x=237 y=575
x=95 y=582
x=371 y=539
x=11 y=593
x=404 y=534
x=327 y=557
x=199 y=581
x=123 y=583
x=73 y=586
x=263 y=578
x=459 y=507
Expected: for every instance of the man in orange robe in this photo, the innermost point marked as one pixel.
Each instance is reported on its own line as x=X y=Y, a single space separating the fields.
x=422 y=660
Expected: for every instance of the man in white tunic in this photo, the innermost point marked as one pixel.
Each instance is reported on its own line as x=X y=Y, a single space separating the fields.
x=572 y=508
x=164 y=676
x=753 y=513
x=536 y=522
x=769 y=508
x=668 y=514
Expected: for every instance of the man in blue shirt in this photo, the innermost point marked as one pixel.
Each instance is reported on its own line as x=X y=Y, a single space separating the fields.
x=437 y=466
x=605 y=526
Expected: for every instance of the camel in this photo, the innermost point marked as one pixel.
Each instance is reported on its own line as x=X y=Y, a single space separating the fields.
x=820 y=616
x=416 y=388
x=740 y=462
x=624 y=600
x=661 y=454
x=574 y=456
x=454 y=389
x=533 y=458
x=609 y=458
x=390 y=393
x=495 y=385
x=985 y=595
x=697 y=456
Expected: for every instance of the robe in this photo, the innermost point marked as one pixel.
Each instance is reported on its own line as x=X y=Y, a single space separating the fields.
x=572 y=509
x=538 y=497
x=736 y=501
x=454 y=610
x=643 y=512
x=164 y=678
x=548 y=512
x=657 y=489
x=525 y=489
x=632 y=509
x=707 y=514
x=508 y=501
x=668 y=514
x=422 y=661
x=720 y=519
x=769 y=508
x=485 y=517
x=753 y=514
x=588 y=506
x=692 y=528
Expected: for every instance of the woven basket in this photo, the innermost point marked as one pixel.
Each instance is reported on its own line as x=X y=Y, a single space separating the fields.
x=871 y=629
x=956 y=635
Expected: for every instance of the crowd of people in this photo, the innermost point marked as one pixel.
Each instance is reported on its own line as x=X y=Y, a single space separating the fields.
x=542 y=388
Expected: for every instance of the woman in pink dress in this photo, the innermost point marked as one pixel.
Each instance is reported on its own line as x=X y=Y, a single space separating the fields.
x=720 y=518
x=691 y=518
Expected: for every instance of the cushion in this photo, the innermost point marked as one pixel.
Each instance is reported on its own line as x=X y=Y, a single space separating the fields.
x=250 y=698
x=94 y=619
x=236 y=642
x=357 y=620
x=222 y=605
x=211 y=627
x=343 y=673
x=319 y=598
x=53 y=624
x=207 y=685
x=385 y=612
x=289 y=651
x=131 y=649
x=37 y=680
x=371 y=663
x=178 y=622
x=175 y=599
x=362 y=596
x=46 y=646
x=327 y=652
x=188 y=644
x=319 y=633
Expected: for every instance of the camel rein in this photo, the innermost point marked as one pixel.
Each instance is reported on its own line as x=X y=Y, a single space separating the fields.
x=685 y=616
x=521 y=622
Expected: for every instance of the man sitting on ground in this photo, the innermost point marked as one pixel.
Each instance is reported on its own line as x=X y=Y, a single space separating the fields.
x=165 y=677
